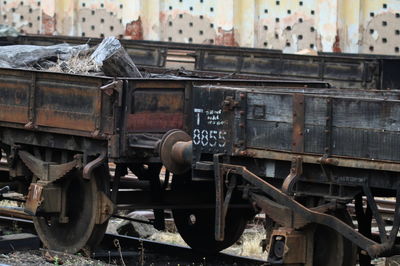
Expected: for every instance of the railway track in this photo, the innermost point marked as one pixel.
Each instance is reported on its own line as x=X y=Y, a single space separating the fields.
x=386 y=208
x=131 y=250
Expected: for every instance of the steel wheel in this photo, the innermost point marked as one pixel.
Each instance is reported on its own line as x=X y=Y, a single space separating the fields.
x=332 y=249
x=196 y=226
x=82 y=202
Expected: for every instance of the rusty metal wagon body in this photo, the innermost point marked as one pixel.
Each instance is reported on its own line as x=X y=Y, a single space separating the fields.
x=298 y=150
x=341 y=70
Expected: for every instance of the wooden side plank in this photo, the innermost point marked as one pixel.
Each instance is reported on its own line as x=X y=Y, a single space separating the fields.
x=361 y=128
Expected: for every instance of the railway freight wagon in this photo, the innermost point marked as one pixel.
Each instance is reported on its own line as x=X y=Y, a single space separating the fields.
x=340 y=70
x=298 y=151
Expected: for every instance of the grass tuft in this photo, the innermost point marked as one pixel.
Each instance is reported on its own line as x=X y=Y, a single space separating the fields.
x=77 y=64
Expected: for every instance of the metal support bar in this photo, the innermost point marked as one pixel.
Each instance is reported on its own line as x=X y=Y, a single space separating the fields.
x=219 y=194
x=132 y=219
x=156 y=188
x=32 y=104
x=152 y=173
x=328 y=127
x=220 y=229
x=231 y=187
x=298 y=123
x=375 y=213
x=120 y=170
x=364 y=221
x=242 y=101
x=396 y=224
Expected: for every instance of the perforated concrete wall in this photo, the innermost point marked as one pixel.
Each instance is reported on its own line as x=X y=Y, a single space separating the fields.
x=188 y=21
x=24 y=15
x=355 y=26
x=381 y=27
x=291 y=27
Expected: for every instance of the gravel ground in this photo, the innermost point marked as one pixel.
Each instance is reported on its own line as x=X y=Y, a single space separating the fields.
x=248 y=245
x=36 y=257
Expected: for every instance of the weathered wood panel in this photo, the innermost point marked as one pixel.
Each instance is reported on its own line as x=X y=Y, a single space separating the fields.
x=269 y=135
x=58 y=102
x=363 y=127
x=156 y=110
x=14 y=96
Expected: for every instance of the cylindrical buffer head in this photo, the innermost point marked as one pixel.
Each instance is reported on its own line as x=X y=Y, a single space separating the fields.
x=175 y=151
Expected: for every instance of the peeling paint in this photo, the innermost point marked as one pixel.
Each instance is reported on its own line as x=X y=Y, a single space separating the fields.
x=26 y=19
x=49 y=24
x=327 y=23
x=336 y=45
x=226 y=38
x=134 y=30
x=382 y=34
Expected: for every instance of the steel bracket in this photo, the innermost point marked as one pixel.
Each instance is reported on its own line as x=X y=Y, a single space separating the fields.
x=295 y=172
x=34 y=198
x=48 y=171
x=88 y=169
x=229 y=103
x=221 y=203
x=109 y=88
x=117 y=86
x=288 y=247
x=282 y=215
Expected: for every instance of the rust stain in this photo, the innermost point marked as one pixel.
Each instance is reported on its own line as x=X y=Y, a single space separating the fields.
x=154 y=122
x=163 y=16
x=157 y=102
x=34 y=198
x=336 y=45
x=15 y=114
x=66 y=120
x=134 y=30
x=226 y=38
x=49 y=23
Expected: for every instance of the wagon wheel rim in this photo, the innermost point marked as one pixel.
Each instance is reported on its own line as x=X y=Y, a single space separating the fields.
x=81 y=230
x=196 y=226
x=331 y=248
